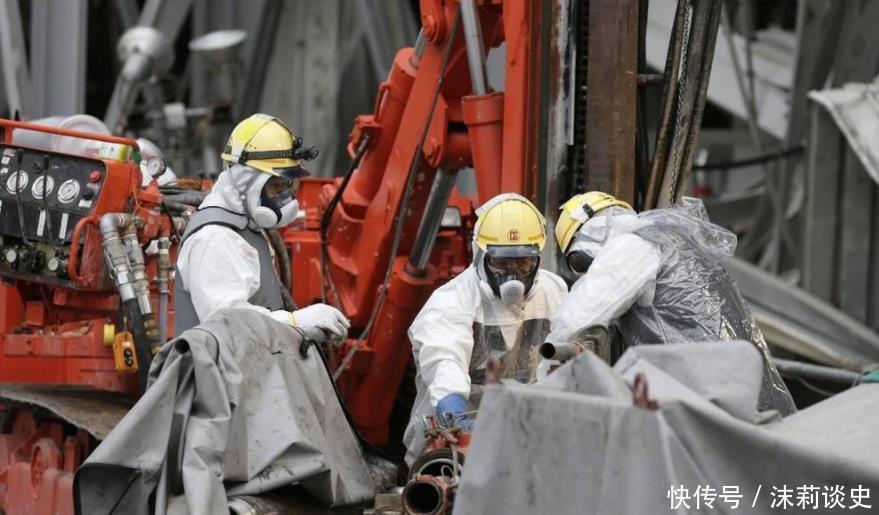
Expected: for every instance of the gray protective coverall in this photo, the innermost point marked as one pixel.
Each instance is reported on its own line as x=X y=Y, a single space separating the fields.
x=232 y=408
x=658 y=276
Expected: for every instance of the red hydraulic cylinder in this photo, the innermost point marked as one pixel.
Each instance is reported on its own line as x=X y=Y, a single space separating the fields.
x=370 y=402
x=484 y=116
x=389 y=107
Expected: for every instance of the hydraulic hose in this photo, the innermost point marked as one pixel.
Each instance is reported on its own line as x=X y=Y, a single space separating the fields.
x=126 y=264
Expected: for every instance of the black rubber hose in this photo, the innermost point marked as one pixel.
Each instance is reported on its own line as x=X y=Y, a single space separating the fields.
x=751 y=161
x=143 y=342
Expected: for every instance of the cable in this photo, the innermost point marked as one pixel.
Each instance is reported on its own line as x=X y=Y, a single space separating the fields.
x=813 y=388
x=755 y=160
x=398 y=219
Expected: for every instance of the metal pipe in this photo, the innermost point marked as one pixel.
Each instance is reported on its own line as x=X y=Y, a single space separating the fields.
x=138 y=268
x=559 y=351
x=475 y=50
x=135 y=70
x=594 y=338
x=420 y=44
x=816 y=372
x=162 y=279
x=437 y=201
x=116 y=255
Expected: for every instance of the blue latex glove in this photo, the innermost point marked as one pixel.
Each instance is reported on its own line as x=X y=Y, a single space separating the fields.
x=454 y=405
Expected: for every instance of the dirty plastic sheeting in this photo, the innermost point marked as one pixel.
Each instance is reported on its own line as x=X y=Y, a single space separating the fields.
x=575 y=444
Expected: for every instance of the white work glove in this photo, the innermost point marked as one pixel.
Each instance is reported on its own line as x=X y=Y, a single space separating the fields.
x=323 y=317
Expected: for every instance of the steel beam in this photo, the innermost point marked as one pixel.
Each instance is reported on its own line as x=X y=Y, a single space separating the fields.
x=853 y=268
x=16 y=79
x=820 y=209
x=873 y=312
x=857 y=54
x=552 y=143
x=611 y=82
x=58 y=52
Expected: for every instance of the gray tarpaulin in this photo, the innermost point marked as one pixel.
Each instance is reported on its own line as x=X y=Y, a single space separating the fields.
x=235 y=404
x=574 y=443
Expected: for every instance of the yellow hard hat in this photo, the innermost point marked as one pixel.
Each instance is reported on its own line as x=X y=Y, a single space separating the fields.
x=509 y=219
x=580 y=208
x=264 y=143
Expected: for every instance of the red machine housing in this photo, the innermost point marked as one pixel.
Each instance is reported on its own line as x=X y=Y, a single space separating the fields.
x=54 y=324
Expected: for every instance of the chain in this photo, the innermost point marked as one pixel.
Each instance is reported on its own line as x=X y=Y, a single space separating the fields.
x=681 y=81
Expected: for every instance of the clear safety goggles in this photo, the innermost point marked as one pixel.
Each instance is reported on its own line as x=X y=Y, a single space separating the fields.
x=277 y=185
x=518 y=260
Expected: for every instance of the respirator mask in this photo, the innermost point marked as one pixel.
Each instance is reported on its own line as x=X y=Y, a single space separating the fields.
x=276 y=209
x=511 y=270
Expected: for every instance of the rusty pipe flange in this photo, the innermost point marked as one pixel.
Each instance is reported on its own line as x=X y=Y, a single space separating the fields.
x=428 y=495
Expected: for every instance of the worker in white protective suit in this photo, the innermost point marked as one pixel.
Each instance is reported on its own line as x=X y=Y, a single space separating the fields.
x=498 y=307
x=657 y=276
x=225 y=259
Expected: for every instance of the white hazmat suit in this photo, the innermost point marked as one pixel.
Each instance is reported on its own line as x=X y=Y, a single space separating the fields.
x=460 y=327
x=220 y=269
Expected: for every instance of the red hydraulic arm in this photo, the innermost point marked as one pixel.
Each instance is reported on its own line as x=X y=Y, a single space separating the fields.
x=434 y=115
